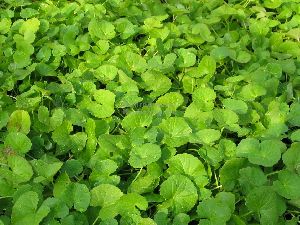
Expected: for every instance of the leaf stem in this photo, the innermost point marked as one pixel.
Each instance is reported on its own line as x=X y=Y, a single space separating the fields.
x=246 y=214
x=95 y=221
x=138 y=175
x=2 y=164
x=294 y=211
x=2 y=197
x=272 y=173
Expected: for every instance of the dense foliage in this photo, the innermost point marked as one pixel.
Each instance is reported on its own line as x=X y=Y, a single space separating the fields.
x=149 y=112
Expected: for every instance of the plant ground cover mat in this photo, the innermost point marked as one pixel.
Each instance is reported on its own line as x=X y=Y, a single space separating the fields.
x=175 y=112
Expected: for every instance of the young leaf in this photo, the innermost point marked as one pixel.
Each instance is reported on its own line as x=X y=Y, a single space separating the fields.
x=21 y=169
x=287 y=184
x=204 y=98
x=81 y=197
x=105 y=195
x=176 y=131
x=104 y=30
x=180 y=194
x=217 y=210
x=19 y=142
x=238 y=106
x=291 y=159
x=188 y=165
x=264 y=201
x=19 y=121
x=143 y=155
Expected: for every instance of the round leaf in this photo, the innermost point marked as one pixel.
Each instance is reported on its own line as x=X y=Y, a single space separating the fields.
x=19 y=121
x=105 y=195
x=18 y=142
x=143 y=155
x=180 y=194
x=288 y=184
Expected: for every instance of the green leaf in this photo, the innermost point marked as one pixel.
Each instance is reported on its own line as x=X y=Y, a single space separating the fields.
x=28 y=13
x=61 y=134
x=290 y=158
x=267 y=153
x=229 y=173
x=176 y=131
x=251 y=177
x=287 y=184
x=135 y=62
x=45 y=69
x=266 y=203
x=190 y=166
x=171 y=100
x=21 y=169
x=81 y=197
x=4 y=118
x=294 y=33
x=243 y=57
x=221 y=53
x=19 y=121
x=105 y=195
x=62 y=189
x=102 y=170
x=228 y=147
x=44 y=54
x=136 y=119
x=181 y=219
x=58 y=208
x=109 y=222
x=274 y=69
x=46 y=167
x=72 y=167
x=246 y=146
x=128 y=203
x=250 y=92
x=258 y=27
x=225 y=117
x=294 y=115
x=207 y=65
x=238 y=106
x=295 y=136
x=158 y=83
x=126 y=28
x=272 y=4
x=5 y=24
x=211 y=154
x=43 y=114
x=25 y=208
x=207 y=136
x=204 y=32
x=146 y=182
x=180 y=194
x=78 y=142
x=186 y=58
x=106 y=73
x=103 y=106
x=19 y=142
x=217 y=210
x=57 y=118
x=204 y=98
x=103 y=29
x=155 y=21
x=29 y=29
x=24 y=211
x=143 y=155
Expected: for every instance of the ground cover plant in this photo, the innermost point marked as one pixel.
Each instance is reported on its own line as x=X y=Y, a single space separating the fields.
x=149 y=112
